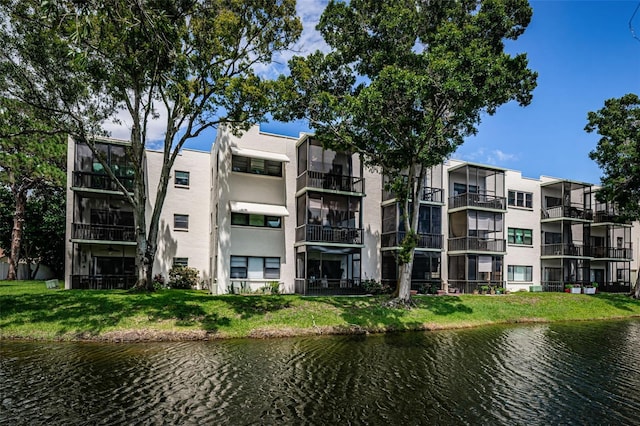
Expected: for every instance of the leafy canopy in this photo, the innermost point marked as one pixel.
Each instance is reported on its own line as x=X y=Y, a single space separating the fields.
x=407 y=80
x=618 y=151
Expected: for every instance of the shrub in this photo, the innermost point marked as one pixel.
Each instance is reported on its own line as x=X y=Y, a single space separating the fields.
x=183 y=277
x=159 y=282
x=375 y=287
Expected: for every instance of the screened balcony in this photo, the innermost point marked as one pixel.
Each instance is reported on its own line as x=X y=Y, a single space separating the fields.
x=329 y=234
x=477 y=244
x=91 y=180
x=566 y=199
x=477 y=187
x=425 y=241
x=97 y=232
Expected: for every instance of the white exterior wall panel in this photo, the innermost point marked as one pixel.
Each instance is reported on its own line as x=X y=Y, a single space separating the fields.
x=523 y=218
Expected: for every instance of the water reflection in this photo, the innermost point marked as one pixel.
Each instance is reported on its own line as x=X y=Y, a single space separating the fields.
x=579 y=373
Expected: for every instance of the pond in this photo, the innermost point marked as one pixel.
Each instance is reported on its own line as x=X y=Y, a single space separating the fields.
x=563 y=373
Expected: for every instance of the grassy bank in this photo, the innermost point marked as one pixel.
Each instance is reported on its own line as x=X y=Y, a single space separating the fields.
x=28 y=310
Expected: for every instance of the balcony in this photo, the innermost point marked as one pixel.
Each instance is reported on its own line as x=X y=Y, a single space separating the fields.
x=471 y=199
x=90 y=180
x=330 y=181
x=475 y=244
x=572 y=211
x=575 y=250
x=469 y=286
x=612 y=253
x=94 y=232
x=427 y=241
x=431 y=195
x=610 y=216
x=325 y=287
x=102 y=282
x=329 y=234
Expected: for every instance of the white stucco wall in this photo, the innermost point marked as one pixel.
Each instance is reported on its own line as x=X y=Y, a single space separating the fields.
x=245 y=187
x=523 y=218
x=193 y=201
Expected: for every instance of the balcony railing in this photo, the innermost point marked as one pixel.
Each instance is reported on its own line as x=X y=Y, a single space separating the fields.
x=394 y=239
x=470 y=199
x=102 y=282
x=572 y=211
x=329 y=234
x=468 y=286
x=612 y=253
x=609 y=216
x=476 y=244
x=565 y=250
x=89 y=231
x=321 y=287
x=100 y=181
x=330 y=181
x=433 y=195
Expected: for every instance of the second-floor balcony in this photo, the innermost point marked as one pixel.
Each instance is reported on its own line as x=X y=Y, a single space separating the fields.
x=329 y=234
x=428 y=194
x=330 y=181
x=91 y=180
x=609 y=216
x=427 y=241
x=571 y=211
x=574 y=250
x=475 y=244
x=472 y=199
x=612 y=253
x=94 y=232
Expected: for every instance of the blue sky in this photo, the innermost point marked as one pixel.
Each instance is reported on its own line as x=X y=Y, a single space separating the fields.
x=583 y=52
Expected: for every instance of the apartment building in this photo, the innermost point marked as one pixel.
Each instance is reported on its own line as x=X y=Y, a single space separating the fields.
x=100 y=234
x=261 y=208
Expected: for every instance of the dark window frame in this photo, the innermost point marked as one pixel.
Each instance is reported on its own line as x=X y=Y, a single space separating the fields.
x=245 y=219
x=528 y=273
x=176 y=222
x=522 y=199
x=512 y=237
x=256 y=166
x=180 y=181
x=180 y=261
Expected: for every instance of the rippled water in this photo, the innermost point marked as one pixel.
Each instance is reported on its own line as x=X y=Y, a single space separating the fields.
x=579 y=373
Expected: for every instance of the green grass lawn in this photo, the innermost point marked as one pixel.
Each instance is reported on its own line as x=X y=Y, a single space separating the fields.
x=29 y=310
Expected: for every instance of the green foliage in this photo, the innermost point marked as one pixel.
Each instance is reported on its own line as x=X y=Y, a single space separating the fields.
x=44 y=227
x=82 y=63
x=372 y=286
x=183 y=277
x=159 y=282
x=405 y=82
x=618 y=152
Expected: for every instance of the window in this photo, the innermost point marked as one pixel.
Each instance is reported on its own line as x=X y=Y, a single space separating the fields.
x=181 y=221
x=181 y=178
x=258 y=220
x=519 y=273
x=520 y=199
x=520 y=236
x=461 y=188
x=239 y=266
x=180 y=261
x=272 y=267
x=256 y=166
x=255 y=267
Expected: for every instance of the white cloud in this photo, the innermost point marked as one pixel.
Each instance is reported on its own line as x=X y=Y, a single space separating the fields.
x=494 y=157
x=156 y=128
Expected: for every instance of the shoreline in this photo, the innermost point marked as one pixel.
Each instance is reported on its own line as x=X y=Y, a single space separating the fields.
x=157 y=336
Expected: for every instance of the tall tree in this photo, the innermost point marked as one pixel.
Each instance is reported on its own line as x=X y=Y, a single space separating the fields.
x=195 y=60
x=405 y=82
x=618 y=155
x=42 y=240
x=28 y=161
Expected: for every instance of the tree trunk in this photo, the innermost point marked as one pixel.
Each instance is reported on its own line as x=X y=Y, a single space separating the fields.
x=636 y=294
x=404 y=282
x=403 y=292
x=16 y=233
